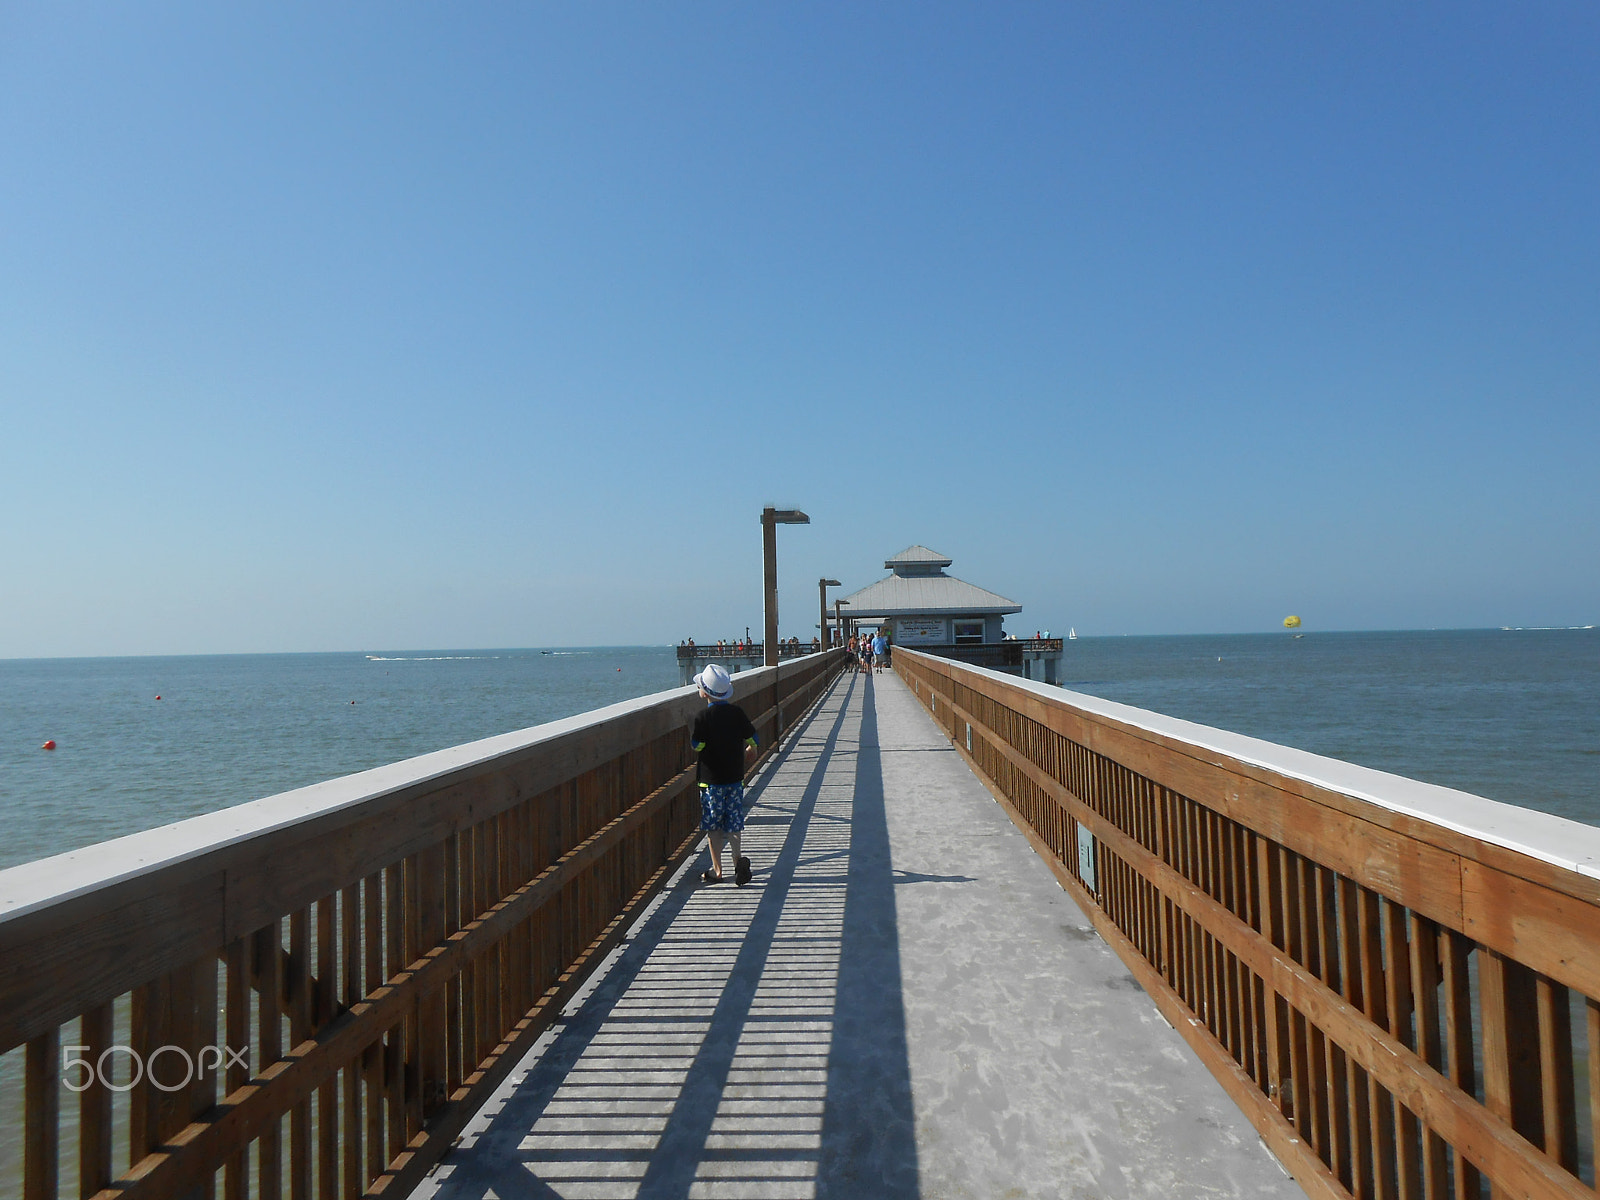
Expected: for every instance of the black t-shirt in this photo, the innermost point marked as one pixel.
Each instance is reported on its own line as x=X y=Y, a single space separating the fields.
x=719 y=736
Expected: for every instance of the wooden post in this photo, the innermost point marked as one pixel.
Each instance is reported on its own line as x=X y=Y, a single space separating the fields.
x=41 y=1132
x=769 y=594
x=432 y=1037
x=771 y=518
x=822 y=620
x=1511 y=1065
x=94 y=1111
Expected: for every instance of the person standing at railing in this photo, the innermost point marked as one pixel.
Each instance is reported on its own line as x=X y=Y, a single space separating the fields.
x=725 y=741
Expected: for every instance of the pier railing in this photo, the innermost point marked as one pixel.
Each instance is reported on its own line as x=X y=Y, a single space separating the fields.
x=1396 y=982
x=995 y=655
x=751 y=651
x=311 y=994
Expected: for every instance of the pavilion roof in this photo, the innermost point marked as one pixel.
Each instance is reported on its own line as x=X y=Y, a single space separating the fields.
x=919 y=556
x=931 y=595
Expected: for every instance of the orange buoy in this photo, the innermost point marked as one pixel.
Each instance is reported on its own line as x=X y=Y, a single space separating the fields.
x=50 y=745
x=158 y=695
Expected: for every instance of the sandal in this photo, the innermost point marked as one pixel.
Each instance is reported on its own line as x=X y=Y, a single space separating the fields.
x=711 y=877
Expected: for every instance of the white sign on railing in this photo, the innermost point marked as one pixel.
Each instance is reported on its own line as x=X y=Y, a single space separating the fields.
x=1086 y=858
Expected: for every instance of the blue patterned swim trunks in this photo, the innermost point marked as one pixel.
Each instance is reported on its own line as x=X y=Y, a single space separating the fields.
x=722 y=807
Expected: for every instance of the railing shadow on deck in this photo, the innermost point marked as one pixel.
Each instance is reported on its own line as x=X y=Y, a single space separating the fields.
x=312 y=993
x=1396 y=982
x=862 y=1143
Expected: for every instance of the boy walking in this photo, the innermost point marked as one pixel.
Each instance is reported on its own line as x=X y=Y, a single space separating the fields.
x=725 y=742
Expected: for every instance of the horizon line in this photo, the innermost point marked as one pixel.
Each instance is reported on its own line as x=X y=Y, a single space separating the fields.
x=673 y=645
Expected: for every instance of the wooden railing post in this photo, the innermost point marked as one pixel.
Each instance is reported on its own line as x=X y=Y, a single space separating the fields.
x=431 y=1031
x=1511 y=1083
x=267 y=953
x=324 y=1007
x=42 y=1098
x=94 y=1104
x=1277 y=1016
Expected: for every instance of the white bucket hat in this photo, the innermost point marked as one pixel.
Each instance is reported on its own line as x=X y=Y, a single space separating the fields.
x=714 y=682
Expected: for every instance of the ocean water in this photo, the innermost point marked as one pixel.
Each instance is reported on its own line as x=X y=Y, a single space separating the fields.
x=233 y=728
x=1513 y=715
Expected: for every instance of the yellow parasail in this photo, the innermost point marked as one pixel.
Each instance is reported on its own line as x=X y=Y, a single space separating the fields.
x=1291 y=622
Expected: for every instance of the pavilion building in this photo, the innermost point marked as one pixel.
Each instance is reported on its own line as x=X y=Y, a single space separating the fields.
x=923 y=608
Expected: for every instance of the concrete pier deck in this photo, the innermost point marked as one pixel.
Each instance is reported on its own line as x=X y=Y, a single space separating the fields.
x=903 y=1003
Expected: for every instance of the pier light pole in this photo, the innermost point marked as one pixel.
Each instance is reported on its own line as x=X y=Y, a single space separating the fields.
x=838 y=619
x=771 y=518
x=822 y=587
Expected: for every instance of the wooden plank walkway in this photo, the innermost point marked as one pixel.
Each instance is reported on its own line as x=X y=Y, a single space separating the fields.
x=903 y=1003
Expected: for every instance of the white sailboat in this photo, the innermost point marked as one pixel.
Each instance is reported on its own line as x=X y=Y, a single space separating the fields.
x=1072 y=635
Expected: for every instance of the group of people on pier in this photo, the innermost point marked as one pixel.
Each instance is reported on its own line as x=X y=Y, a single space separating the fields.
x=868 y=652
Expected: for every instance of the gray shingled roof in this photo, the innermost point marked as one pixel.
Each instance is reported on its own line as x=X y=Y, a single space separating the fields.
x=914 y=595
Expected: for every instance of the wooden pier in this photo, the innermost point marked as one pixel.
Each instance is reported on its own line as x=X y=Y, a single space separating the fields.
x=902 y=1003
x=1393 y=984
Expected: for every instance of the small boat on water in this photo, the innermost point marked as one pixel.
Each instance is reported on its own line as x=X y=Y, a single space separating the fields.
x=1072 y=634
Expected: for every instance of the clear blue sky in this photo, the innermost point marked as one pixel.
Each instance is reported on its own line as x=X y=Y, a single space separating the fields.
x=423 y=325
